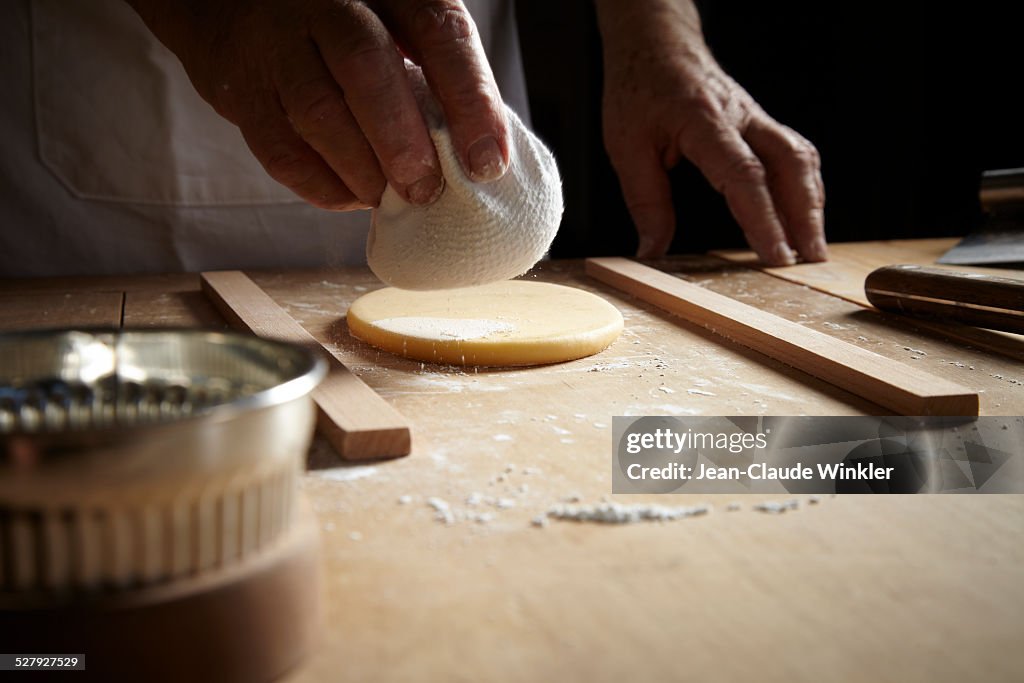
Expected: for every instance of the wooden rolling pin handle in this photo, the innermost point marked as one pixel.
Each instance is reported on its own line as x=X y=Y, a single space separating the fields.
x=975 y=299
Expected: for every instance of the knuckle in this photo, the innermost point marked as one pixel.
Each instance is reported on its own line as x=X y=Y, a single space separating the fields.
x=289 y=167
x=473 y=98
x=371 y=70
x=703 y=102
x=437 y=23
x=797 y=146
x=747 y=170
x=323 y=110
x=365 y=54
x=645 y=207
x=805 y=154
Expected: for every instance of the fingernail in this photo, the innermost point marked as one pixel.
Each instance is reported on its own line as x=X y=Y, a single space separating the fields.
x=426 y=190
x=783 y=255
x=485 y=160
x=818 y=250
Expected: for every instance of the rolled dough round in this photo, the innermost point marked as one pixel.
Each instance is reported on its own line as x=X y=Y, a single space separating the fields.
x=500 y=324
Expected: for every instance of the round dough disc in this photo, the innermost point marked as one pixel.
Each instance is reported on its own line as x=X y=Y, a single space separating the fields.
x=504 y=323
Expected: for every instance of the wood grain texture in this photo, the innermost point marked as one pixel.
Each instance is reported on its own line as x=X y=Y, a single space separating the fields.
x=850 y=263
x=357 y=422
x=972 y=298
x=855 y=588
x=146 y=308
x=880 y=380
x=49 y=310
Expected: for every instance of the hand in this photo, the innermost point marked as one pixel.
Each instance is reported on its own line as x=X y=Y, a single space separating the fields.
x=320 y=92
x=666 y=98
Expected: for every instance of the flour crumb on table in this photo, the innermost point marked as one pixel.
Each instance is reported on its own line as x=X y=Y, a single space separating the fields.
x=442 y=511
x=777 y=507
x=617 y=513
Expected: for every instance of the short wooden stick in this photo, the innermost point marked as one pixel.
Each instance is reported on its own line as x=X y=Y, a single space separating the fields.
x=359 y=423
x=881 y=380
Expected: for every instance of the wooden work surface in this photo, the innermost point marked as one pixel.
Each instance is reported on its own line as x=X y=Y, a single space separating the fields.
x=879 y=588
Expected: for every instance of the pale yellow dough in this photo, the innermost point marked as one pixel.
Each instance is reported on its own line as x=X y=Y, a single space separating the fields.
x=504 y=323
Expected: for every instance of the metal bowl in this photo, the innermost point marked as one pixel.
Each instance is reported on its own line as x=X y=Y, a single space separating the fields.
x=129 y=458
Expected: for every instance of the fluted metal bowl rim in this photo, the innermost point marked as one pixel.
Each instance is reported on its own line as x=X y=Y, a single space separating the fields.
x=308 y=376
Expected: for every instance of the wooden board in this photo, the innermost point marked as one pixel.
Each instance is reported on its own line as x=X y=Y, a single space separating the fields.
x=357 y=422
x=170 y=309
x=898 y=588
x=749 y=596
x=46 y=310
x=890 y=384
x=850 y=263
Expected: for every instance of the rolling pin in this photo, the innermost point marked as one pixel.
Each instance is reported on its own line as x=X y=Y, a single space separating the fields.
x=974 y=299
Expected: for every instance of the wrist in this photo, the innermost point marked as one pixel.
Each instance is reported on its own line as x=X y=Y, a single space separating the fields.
x=667 y=27
x=622 y=22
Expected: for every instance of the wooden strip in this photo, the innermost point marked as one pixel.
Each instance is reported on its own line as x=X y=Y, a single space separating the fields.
x=49 y=310
x=881 y=380
x=358 y=423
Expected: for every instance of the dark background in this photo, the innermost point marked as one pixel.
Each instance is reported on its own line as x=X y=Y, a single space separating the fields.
x=906 y=102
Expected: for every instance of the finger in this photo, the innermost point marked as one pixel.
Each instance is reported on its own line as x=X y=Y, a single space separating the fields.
x=732 y=168
x=362 y=58
x=441 y=37
x=293 y=163
x=794 y=176
x=648 y=195
x=318 y=112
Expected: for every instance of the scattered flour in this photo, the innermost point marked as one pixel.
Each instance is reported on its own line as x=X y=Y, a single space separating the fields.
x=777 y=507
x=460 y=329
x=345 y=473
x=617 y=513
x=442 y=511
